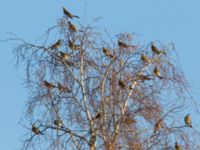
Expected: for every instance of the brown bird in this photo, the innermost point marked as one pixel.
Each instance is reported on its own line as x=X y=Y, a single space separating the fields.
x=58 y=122
x=122 y=84
x=64 y=55
x=156 y=50
x=122 y=44
x=145 y=59
x=73 y=46
x=144 y=77
x=177 y=146
x=188 y=121
x=56 y=45
x=129 y=120
x=48 y=85
x=158 y=126
x=156 y=72
x=107 y=52
x=72 y=27
x=61 y=88
x=68 y=14
x=36 y=130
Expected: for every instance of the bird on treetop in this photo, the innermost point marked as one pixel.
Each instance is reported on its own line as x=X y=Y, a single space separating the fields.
x=68 y=14
x=156 y=50
x=122 y=44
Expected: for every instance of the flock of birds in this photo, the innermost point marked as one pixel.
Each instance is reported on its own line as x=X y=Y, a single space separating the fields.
x=64 y=56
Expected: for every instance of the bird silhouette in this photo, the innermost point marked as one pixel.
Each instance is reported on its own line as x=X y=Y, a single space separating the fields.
x=56 y=45
x=188 y=121
x=122 y=44
x=122 y=84
x=68 y=14
x=36 y=130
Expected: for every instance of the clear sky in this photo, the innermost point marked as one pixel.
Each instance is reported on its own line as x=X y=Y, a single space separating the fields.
x=169 y=21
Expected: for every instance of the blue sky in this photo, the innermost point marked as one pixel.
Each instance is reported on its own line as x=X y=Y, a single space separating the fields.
x=168 y=21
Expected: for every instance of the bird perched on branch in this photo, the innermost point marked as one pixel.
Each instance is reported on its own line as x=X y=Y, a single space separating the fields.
x=188 y=121
x=36 y=130
x=145 y=59
x=107 y=52
x=58 y=122
x=122 y=44
x=122 y=84
x=56 y=45
x=157 y=73
x=72 y=27
x=97 y=116
x=48 y=85
x=144 y=77
x=61 y=88
x=156 y=50
x=177 y=146
x=64 y=55
x=68 y=14
x=157 y=126
x=73 y=46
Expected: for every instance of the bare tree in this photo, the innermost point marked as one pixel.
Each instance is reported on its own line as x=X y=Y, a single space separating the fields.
x=89 y=90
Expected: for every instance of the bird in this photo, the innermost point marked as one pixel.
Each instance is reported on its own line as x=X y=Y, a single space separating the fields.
x=64 y=55
x=36 y=130
x=156 y=50
x=56 y=45
x=129 y=120
x=144 y=77
x=72 y=27
x=157 y=126
x=122 y=44
x=73 y=46
x=157 y=73
x=177 y=146
x=188 y=121
x=122 y=84
x=48 y=85
x=68 y=14
x=58 y=122
x=61 y=88
x=97 y=116
x=107 y=52
x=145 y=59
